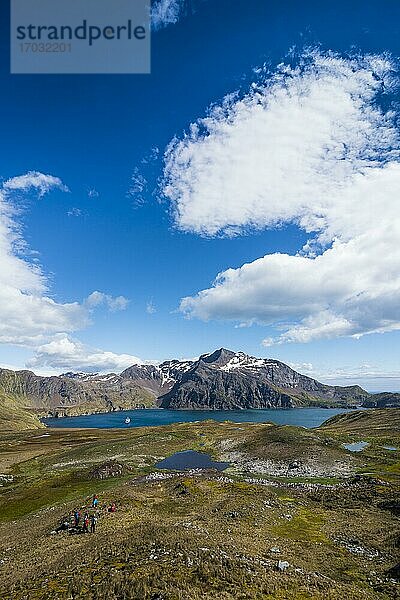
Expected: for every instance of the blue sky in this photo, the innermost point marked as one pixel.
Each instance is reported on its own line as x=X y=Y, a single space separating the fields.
x=95 y=133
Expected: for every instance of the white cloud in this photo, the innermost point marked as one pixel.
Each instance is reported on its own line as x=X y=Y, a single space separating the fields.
x=64 y=354
x=372 y=378
x=310 y=146
x=138 y=187
x=150 y=307
x=33 y=179
x=304 y=368
x=74 y=212
x=111 y=302
x=28 y=314
x=166 y=12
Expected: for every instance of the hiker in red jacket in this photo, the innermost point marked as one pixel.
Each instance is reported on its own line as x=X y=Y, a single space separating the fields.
x=86 y=523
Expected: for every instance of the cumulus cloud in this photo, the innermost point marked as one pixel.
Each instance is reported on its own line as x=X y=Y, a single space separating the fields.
x=309 y=145
x=34 y=179
x=113 y=303
x=28 y=314
x=166 y=12
x=66 y=354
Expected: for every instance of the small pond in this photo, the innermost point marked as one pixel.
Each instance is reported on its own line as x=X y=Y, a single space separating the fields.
x=189 y=459
x=392 y=448
x=355 y=446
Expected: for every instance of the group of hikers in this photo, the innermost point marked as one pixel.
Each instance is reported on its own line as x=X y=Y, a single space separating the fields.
x=84 y=520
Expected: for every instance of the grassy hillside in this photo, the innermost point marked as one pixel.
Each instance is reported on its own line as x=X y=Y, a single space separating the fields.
x=14 y=416
x=181 y=536
x=376 y=422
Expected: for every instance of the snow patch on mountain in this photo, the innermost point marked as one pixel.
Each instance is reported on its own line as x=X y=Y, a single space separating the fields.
x=241 y=360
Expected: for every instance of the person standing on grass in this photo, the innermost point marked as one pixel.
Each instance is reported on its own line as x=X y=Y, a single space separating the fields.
x=86 y=523
x=77 y=516
x=95 y=501
x=93 y=522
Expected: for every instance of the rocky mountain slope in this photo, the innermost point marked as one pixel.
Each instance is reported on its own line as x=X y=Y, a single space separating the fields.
x=158 y=379
x=383 y=400
x=226 y=380
x=71 y=394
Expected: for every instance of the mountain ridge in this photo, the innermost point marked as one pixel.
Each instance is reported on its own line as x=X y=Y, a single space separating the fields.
x=170 y=372
x=67 y=395
x=177 y=384
x=219 y=380
x=226 y=380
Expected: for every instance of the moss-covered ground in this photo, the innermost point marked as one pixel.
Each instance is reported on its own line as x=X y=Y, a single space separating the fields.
x=203 y=535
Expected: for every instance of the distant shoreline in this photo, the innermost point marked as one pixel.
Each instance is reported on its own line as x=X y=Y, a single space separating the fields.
x=201 y=410
x=300 y=416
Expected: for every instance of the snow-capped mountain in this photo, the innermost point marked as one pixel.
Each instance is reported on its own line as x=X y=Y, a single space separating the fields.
x=92 y=377
x=233 y=380
x=158 y=378
x=219 y=380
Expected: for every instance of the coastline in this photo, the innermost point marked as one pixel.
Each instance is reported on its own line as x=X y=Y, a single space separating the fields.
x=299 y=416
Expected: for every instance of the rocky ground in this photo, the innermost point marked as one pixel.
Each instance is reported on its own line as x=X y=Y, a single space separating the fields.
x=275 y=525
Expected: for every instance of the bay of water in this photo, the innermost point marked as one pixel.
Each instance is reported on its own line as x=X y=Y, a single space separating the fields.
x=303 y=417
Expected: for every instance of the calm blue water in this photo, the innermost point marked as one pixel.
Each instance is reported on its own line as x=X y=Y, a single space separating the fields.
x=190 y=459
x=356 y=446
x=304 y=417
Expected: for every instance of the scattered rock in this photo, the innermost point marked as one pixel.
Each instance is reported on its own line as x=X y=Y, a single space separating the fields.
x=391 y=505
x=181 y=489
x=109 y=469
x=233 y=514
x=4 y=479
x=368 y=480
x=314 y=466
x=282 y=565
x=394 y=572
x=201 y=473
x=294 y=465
x=354 y=547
